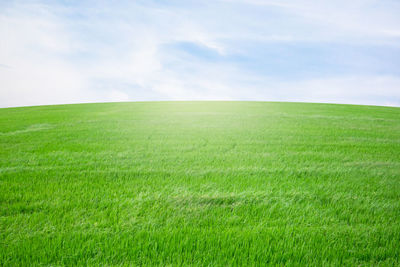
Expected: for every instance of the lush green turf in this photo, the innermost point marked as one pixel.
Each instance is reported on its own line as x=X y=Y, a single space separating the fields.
x=200 y=183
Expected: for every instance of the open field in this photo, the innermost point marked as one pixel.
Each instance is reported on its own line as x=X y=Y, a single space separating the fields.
x=200 y=183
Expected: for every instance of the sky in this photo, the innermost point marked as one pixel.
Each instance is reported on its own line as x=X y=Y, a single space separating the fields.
x=59 y=52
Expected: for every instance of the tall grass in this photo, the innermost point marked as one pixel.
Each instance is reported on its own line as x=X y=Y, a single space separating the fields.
x=200 y=183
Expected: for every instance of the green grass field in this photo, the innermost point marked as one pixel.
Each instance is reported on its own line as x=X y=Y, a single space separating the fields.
x=200 y=183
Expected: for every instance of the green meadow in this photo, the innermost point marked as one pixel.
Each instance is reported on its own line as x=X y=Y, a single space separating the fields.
x=200 y=184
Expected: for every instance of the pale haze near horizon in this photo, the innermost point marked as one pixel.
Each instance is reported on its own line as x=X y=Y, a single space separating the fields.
x=60 y=52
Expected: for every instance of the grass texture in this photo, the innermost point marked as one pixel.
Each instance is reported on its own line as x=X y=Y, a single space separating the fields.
x=201 y=184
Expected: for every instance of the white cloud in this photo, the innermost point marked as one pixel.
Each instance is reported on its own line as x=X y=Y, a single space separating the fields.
x=34 y=76
x=356 y=21
x=117 y=96
x=349 y=89
x=122 y=51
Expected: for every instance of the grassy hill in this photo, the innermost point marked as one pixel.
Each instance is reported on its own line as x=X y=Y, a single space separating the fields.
x=200 y=183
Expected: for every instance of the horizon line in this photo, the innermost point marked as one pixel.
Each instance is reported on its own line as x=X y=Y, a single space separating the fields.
x=160 y=101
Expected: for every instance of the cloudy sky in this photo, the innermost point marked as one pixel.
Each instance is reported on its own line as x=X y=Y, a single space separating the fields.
x=270 y=50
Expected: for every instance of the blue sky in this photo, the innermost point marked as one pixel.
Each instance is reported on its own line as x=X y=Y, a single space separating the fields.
x=338 y=51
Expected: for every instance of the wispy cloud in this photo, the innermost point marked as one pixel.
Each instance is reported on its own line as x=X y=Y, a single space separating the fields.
x=299 y=50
